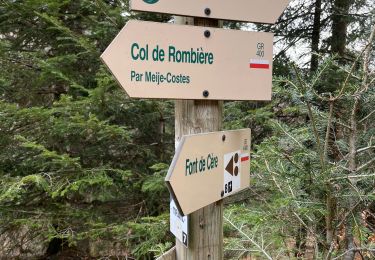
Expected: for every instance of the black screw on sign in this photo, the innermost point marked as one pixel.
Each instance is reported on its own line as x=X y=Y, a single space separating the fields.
x=206 y=93
x=207 y=11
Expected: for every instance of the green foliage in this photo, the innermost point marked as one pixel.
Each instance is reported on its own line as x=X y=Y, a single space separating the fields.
x=155 y=189
x=82 y=163
x=76 y=154
x=301 y=179
x=151 y=234
x=155 y=184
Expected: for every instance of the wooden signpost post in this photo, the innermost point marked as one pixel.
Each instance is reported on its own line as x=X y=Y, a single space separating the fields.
x=200 y=66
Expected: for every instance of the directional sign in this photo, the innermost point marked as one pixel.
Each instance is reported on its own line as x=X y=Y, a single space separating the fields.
x=209 y=167
x=178 y=224
x=258 y=11
x=154 y=60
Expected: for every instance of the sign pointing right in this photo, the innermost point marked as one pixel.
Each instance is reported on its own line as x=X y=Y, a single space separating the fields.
x=257 y=11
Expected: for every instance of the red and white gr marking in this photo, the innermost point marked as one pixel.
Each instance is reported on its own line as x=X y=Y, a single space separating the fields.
x=245 y=157
x=259 y=64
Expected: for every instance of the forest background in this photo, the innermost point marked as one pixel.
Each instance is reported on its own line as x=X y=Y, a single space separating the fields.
x=82 y=166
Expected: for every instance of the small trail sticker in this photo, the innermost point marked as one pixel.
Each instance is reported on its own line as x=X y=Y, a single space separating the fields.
x=259 y=64
x=232 y=172
x=178 y=224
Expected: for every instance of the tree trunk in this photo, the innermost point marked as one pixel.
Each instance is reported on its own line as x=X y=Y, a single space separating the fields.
x=330 y=200
x=310 y=243
x=352 y=171
x=315 y=38
x=331 y=210
x=340 y=21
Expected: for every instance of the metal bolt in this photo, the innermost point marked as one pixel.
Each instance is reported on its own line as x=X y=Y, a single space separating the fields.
x=206 y=93
x=207 y=11
x=223 y=138
x=222 y=193
x=207 y=33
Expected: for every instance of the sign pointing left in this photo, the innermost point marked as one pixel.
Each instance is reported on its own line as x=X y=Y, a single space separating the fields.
x=258 y=11
x=154 y=60
x=209 y=167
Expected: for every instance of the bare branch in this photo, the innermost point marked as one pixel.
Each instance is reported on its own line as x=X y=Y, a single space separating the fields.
x=350 y=74
x=365 y=165
x=363 y=119
x=366 y=53
x=273 y=176
x=361 y=150
x=365 y=149
x=286 y=132
x=347 y=214
x=366 y=60
x=328 y=130
x=316 y=134
x=357 y=249
x=353 y=177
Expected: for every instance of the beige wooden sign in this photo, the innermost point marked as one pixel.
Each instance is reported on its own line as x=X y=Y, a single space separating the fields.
x=258 y=11
x=154 y=60
x=209 y=167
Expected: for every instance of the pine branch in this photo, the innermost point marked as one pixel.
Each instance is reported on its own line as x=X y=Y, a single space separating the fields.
x=259 y=247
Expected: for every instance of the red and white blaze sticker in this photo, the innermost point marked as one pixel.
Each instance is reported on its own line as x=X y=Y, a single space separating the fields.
x=259 y=64
x=245 y=157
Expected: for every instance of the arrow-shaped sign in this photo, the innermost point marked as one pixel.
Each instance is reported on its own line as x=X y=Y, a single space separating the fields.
x=154 y=60
x=257 y=11
x=209 y=167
